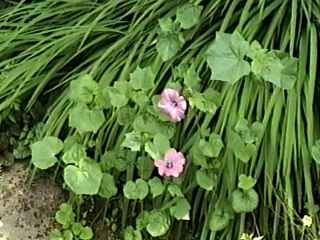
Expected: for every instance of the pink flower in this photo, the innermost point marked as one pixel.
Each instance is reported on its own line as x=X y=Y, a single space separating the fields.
x=172 y=165
x=172 y=104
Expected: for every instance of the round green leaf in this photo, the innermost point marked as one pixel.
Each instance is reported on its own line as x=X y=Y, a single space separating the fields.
x=84 y=179
x=65 y=215
x=44 y=151
x=219 y=220
x=83 y=89
x=55 y=235
x=246 y=182
x=67 y=235
x=168 y=45
x=156 y=187
x=74 y=154
x=131 y=234
x=76 y=228
x=126 y=115
x=166 y=25
x=132 y=141
x=108 y=188
x=86 y=120
x=174 y=190
x=145 y=167
x=142 y=79
x=117 y=97
x=136 y=190
x=244 y=201
x=225 y=57
x=205 y=180
x=188 y=15
x=158 y=224
x=181 y=209
x=86 y=233
x=114 y=159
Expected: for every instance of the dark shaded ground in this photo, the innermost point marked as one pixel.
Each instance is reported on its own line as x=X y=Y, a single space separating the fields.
x=26 y=213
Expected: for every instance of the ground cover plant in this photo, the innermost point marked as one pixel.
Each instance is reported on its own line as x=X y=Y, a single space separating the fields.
x=180 y=119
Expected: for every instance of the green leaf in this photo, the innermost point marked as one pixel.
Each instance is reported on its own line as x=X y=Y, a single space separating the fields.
x=219 y=219
x=151 y=125
x=126 y=115
x=158 y=224
x=246 y=182
x=70 y=141
x=118 y=97
x=108 y=188
x=315 y=152
x=131 y=234
x=216 y=143
x=289 y=72
x=211 y=149
x=191 y=78
x=142 y=79
x=145 y=167
x=166 y=25
x=132 y=141
x=85 y=179
x=44 y=152
x=140 y=98
x=188 y=15
x=168 y=45
x=74 y=154
x=65 y=215
x=205 y=180
x=156 y=187
x=86 y=120
x=268 y=67
x=207 y=102
x=275 y=67
x=241 y=150
x=225 y=57
x=83 y=89
x=136 y=190
x=67 y=235
x=86 y=233
x=152 y=150
x=142 y=220
x=244 y=201
x=158 y=147
x=246 y=133
x=198 y=158
x=55 y=235
x=174 y=190
x=181 y=209
x=114 y=159
x=76 y=228
x=102 y=100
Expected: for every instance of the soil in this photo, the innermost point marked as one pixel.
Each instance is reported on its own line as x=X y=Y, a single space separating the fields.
x=27 y=212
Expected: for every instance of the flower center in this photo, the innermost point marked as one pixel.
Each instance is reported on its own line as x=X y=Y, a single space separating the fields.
x=174 y=103
x=169 y=164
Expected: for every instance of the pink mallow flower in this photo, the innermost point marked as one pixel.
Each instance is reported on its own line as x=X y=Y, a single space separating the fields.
x=172 y=104
x=172 y=164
